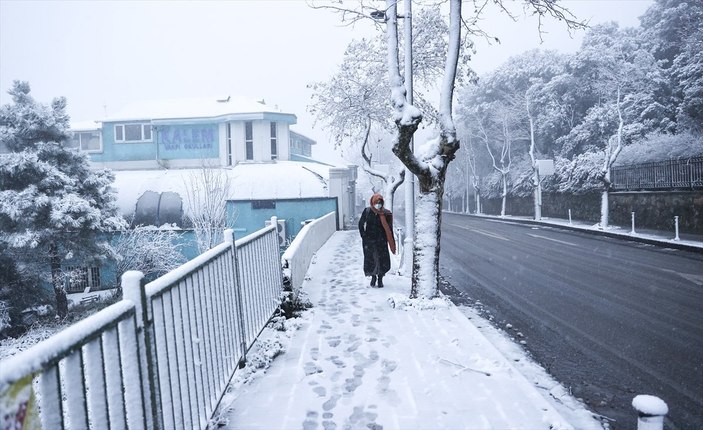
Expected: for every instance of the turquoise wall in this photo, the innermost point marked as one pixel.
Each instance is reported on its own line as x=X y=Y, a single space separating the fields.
x=175 y=142
x=247 y=219
x=122 y=151
x=196 y=141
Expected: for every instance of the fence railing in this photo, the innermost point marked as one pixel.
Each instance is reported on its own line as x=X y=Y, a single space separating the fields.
x=669 y=174
x=297 y=258
x=162 y=357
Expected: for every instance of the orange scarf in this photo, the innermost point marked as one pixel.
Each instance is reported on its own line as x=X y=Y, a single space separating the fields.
x=384 y=222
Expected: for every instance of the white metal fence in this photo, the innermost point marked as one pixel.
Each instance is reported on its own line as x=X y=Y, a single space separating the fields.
x=160 y=358
x=297 y=258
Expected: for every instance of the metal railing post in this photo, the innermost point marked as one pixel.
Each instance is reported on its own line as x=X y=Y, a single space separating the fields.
x=229 y=238
x=133 y=289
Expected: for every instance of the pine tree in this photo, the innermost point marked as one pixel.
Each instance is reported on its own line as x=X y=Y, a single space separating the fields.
x=53 y=208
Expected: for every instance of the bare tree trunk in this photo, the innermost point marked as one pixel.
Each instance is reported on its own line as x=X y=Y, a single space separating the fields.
x=57 y=282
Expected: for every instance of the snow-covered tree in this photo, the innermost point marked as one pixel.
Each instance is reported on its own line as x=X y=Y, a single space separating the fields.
x=53 y=208
x=207 y=190
x=623 y=75
x=672 y=30
x=153 y=251
x=351 y=107
x=429 y=163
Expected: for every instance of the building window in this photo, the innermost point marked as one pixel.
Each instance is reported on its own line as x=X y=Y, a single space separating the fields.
x=79 y=278
x=263 y=204
x=86 y=141
x=229 y=144
x=274 y=143
x=249 y=139
x=140 y=132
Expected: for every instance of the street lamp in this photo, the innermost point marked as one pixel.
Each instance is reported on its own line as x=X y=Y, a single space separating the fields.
x=380 y=15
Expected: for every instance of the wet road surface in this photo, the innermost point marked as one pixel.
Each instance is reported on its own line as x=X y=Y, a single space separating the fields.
x=608 y=318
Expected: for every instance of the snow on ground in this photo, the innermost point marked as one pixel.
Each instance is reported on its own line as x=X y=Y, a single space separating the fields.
x=76 y=298
x=663 y=237
x=369 y=358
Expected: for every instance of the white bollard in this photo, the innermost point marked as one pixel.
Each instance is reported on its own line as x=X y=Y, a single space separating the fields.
x=676 y=227
x=569 y=216
x=651 y=411
x=633 y=224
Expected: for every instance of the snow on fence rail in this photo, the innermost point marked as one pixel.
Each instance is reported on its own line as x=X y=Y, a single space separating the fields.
x=160 y=358
x=669 y=174
x=297 y=258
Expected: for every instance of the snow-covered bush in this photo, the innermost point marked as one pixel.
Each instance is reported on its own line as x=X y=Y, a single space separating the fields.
x=660 y=147
x=4 y=315
x=151 y=250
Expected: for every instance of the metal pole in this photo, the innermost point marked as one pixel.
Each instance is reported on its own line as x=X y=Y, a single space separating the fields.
x=409 y=177
x=569 y=216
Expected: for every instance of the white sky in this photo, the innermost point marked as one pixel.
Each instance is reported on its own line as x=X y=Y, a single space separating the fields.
x=103 y=55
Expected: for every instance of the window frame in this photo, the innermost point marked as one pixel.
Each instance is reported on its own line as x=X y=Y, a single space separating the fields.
x=249 y=140
x=145 y=130
x=274 y=140
x=80 y=140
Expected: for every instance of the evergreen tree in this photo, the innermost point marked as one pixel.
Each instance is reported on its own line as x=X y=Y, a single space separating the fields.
x=53 y=208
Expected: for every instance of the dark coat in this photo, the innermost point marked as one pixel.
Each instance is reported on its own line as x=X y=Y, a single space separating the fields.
x=377 y=260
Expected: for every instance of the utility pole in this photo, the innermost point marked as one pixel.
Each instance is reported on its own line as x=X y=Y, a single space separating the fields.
x=407 y=257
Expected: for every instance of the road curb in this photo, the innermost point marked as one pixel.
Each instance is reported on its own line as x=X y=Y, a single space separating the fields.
x=656 y=242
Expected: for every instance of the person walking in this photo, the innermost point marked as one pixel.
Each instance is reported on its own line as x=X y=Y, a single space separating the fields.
x=376 y=230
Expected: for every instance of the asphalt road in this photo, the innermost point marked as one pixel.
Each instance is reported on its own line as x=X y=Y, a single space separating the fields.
x=609 y=318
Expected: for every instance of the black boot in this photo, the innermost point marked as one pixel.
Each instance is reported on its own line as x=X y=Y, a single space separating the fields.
x=373 y=280
x=380 y=281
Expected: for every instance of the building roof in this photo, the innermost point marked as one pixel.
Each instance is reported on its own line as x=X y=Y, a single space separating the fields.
x=203 y=107
x=248 y=181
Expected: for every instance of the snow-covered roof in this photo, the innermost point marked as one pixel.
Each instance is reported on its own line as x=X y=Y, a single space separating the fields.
x=84 y=125
x=203 y=107
x=248 y=181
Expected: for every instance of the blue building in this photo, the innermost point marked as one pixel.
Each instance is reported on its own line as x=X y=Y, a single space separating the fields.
x=157 y=150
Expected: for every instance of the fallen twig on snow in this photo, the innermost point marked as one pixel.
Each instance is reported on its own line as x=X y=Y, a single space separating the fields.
x=463 y=368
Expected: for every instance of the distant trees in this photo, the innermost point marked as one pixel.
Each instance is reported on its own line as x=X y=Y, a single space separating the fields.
x=53 y=208
x=639 y=88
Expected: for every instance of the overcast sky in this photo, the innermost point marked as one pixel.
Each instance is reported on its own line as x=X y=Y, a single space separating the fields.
x=102 y=55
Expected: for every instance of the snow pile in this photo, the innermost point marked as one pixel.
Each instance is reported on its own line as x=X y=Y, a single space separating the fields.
x=650 y=405
x=403 y=302
x=273 y=341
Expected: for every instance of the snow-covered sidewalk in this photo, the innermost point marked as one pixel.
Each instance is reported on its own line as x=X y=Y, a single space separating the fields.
x=369 y=358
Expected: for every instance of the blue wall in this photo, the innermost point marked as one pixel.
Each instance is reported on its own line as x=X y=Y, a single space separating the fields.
x=294 y=211
x=175 y=142
x=178 y=142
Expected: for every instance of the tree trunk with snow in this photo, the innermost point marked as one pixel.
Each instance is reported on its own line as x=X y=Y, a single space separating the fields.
x=504 y=177
x=611 y=154
x=535 y=170
x=431 y=166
